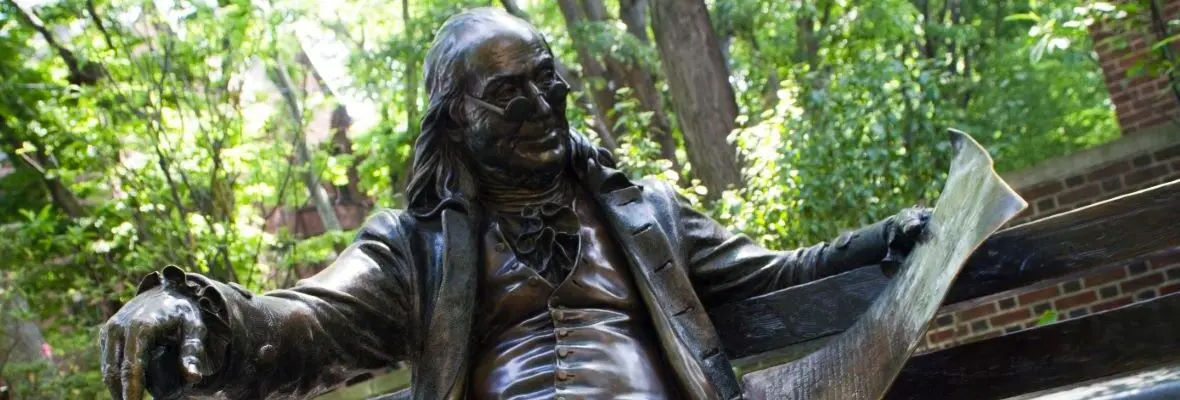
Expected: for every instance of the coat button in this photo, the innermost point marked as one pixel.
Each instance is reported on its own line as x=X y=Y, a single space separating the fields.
x=534 y=280
x=563 y=352
x=501 y=247
x=563 y=332
x=558 y=315
x=563 y=376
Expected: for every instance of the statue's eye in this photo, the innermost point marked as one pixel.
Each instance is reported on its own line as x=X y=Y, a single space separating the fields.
x=505 y=93
x=546 y=76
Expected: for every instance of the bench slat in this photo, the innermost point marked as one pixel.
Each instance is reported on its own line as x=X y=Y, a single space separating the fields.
x=1131 y=338
x=1119 y=229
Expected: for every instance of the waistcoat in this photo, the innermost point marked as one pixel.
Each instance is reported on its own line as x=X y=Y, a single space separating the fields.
x=587 y=337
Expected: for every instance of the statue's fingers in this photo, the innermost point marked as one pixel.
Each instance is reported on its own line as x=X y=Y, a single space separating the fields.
x=192 y=349
x=111 y=345
x=136 y=338
x=915 y=222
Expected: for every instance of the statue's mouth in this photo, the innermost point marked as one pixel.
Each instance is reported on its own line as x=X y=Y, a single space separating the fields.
x=542 y=139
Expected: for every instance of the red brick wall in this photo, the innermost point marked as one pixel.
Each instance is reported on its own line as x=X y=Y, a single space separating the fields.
x=1120 y=283
x=1108 y=288
x=1100 y=183
x=1145 y=101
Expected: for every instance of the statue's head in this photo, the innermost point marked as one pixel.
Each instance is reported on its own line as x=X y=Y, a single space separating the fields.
x=496 y=108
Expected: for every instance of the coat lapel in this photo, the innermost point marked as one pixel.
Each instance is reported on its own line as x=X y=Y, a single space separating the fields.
x=447 y=334
x=676 y=312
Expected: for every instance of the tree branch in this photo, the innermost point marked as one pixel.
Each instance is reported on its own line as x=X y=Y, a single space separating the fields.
x=80 y=74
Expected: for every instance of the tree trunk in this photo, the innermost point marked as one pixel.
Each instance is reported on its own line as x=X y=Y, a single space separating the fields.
x=40 y=161
x=701 y=94
x=604 y=96
x=319 y=196
x=632 y=12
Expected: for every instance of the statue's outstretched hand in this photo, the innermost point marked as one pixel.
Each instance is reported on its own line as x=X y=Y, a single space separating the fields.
x=907 y=229
x=156 y=341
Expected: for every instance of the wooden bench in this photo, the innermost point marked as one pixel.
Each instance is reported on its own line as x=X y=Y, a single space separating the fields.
x=788 y=324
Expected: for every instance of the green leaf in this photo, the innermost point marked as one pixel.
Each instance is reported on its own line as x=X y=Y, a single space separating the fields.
x=1048 y=317
x=1023 y=17
x=1160 y=44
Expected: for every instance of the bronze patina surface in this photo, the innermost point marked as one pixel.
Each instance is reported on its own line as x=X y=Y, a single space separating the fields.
x=497 y=176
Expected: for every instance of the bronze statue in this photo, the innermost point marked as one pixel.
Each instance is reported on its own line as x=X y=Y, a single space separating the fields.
x=525 y=266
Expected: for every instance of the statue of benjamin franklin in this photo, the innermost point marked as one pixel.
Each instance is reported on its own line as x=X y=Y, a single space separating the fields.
x=525 y=266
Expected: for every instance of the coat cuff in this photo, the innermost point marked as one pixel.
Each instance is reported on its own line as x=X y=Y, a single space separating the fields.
x=221 y=306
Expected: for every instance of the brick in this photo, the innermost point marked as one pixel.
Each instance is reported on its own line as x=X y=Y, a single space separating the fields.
x=1007 y=303
x=1088 y=192
x=1138 y=267
x=1134 y=114
x=1123 y=97
x=1164 y=260
x=1038 y=295
x=1042 y=190
x=1145 y=295
x=1139 y=43
x=1107 y=276
x=977 y=312
x=1144 y=175
x=1081 y=312
x=1166 y=290
x=1071 y=286
x=1112 y=184
x=945 y=320
x=986 y=336
x=1041 y=308
x=1141 y=161
x=1174 y=274
x=941 y=336
x=1176 y=166
x=1168 y=153
x=1142 y=282
x=1046 y=205
x=1012 y=329
x=1079 y=299
x=979 y=326
x=1147 y=107
x=1109 y=291
x=1011 y=317
x=1148 y=89
x=1111 y=304
x=1154 y=121
x=1076 y=180
x=1109 y=171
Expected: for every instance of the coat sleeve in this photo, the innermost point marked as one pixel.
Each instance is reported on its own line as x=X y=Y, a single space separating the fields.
x=355 y=316
x=725 y=267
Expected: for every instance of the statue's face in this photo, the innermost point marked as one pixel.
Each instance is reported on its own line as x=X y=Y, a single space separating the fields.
x=514 y=103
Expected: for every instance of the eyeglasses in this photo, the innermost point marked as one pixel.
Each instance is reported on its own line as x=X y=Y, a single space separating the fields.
x=522 y=108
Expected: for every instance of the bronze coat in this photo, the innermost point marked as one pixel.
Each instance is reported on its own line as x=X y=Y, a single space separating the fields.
x=407 y=288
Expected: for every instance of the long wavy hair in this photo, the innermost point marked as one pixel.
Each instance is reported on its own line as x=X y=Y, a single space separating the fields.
x=441 y=174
